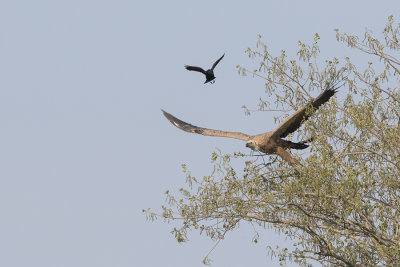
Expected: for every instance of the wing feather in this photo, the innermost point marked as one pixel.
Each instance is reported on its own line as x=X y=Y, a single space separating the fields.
x=204 y=131
x=216 y=62
x=194 y=68
x=293 y=122
x=285 y=155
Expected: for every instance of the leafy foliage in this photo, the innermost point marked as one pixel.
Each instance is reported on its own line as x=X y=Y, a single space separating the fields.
x=342 y=205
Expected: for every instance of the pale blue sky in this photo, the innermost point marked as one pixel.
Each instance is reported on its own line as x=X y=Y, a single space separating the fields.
x=83 y=144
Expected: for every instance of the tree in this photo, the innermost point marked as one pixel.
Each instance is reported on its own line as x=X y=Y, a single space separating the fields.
x=342 y=205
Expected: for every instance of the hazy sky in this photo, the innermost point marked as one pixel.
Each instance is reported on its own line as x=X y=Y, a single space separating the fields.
x=83 y=144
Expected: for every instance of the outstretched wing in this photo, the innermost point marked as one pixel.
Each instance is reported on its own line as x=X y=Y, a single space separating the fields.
x=194 y=129
x=293 y=122
x=216 y=62
x=194 y=68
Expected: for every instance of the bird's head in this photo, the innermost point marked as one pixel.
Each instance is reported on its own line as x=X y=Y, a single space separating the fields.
x=251 y=144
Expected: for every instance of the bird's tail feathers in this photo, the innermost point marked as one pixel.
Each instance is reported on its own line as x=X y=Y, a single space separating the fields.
x=300 y=145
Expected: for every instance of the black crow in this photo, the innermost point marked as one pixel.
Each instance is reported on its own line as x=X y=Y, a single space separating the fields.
x=209 y=73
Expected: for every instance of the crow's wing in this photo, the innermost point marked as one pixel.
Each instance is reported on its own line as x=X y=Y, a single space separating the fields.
x=216 y=62
x=293 y=122
x=194 y=68
x=194 y=129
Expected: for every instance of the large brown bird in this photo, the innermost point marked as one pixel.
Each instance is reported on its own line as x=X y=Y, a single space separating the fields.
x=209 y=73
x=270 y=142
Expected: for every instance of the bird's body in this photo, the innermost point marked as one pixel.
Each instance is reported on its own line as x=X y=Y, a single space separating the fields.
x=270 y=142
x=210 y=77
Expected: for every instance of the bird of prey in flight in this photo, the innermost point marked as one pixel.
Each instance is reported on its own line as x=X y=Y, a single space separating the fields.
x=209 y=73
x=270 y=142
